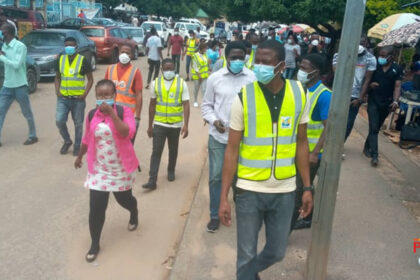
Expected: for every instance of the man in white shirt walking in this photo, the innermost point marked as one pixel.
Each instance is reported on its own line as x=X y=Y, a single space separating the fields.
x=154 y=55
x=222 y=87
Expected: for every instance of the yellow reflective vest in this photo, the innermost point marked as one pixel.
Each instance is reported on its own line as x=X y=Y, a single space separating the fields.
x=169 y=107
x=192 y=46
x=202 y=63
x=266 y=149
x=315 y=128
x=72 y=82
x=251 y=61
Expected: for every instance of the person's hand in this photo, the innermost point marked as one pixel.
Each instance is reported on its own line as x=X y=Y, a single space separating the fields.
x=374 y=85
x=58 y=93
x=394 y=106
x=307 y=204
x=182 y=58
x=150 y=132
x=184 y=132
x=313 y=158
x=225 y=213
x=219 y=126
x=78 y=162
x=356 y=102
x=106 y=109
x=82 y=97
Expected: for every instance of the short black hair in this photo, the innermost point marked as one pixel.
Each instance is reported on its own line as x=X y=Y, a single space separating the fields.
x=106 y=82
x=190 y=31
x=389 y=49
x=126 y=45
x=317 y=61
x=153 y=30
x=234 y=45
x=275 y=46
x=166 y=61
x=70 y=39
x=214 y=43
x=247 y=44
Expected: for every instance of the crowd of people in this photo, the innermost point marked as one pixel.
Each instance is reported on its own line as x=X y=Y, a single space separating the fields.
x=266 y=129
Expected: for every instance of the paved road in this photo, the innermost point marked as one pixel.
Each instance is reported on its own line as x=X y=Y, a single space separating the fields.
x=44 y=207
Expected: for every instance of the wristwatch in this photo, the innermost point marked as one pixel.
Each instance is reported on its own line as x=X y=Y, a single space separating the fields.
x=310 y=188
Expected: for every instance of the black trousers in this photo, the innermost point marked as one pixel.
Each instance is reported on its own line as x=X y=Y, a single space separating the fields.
x=176 y=59
x=377 y=113
x=299 y=192
x=98 y=203
x=154 y=66
x=160 y=134
x=352 y=118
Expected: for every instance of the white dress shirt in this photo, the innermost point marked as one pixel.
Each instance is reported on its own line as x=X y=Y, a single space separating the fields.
x=222 y=87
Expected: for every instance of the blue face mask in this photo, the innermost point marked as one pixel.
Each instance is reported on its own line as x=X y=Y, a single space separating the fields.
x=265 y=73
x=110 y=102
x=1 y=35
x=254 y=47
x=70 y=50
x=382 y=60
x=236 y=66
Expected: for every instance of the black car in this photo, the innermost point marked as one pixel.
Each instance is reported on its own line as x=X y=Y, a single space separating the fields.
x=45 y=46
x=73 y=23
x=32 y=73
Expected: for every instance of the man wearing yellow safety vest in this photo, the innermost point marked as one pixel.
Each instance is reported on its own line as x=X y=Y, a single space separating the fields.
x=254 y=39
x=200 y=71
x=128 y=81
x=71 y=90
x=169 y=113
x=311 y=69
x=190 y=48
x=267 y=143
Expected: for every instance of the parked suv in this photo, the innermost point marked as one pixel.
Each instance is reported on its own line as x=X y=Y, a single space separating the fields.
x=25 y=15
x=161 y=29
x=184 y=27
x=108 y=41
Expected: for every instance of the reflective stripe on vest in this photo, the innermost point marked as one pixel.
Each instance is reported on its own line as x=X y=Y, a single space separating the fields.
x=125 y=94
x=251 y=60
x=191 y=46
x=315 y=128
x=72 y=82
x=224 y=61
x=203 y=67
x=169 y=108
x=256 y=156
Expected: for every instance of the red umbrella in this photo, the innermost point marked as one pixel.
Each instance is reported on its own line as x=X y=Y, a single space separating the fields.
x=295 y=29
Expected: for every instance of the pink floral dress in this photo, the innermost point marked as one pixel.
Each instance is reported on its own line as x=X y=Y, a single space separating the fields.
x=109 y=174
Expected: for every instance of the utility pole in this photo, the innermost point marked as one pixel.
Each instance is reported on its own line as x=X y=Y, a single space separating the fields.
x=329 y=171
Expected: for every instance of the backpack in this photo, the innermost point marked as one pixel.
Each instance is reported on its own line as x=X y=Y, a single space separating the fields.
x=120 y=113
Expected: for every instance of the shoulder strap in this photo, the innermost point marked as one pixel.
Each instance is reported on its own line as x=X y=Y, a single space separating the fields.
x=91 y=114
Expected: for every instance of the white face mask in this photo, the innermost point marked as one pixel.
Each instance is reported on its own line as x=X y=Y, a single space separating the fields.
x=269 y=37
x=289 y=41
x=168 y=75
x=176 y=33
x=124 y=58
x=302 y=76
x=315 y=43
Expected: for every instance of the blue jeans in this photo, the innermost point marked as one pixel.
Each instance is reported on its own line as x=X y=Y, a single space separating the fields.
x=216 y=157
x=252 y=209
x=21 y=95
x=352 y=118
x=77 y=109
x=288 y=73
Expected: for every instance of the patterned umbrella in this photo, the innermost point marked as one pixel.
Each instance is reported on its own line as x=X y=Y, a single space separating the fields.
x=391 y=23
x=295 y=28
x=407 y=35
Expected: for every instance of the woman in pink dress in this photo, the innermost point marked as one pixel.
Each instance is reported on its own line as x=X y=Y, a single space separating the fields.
x=111 y=160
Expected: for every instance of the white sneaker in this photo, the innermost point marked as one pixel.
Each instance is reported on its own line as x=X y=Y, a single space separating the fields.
x=196 y=104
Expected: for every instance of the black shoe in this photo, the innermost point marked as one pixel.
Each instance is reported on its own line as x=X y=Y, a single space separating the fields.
x=31 y=140
x=76 y=151
x=187 y=79
x=213 y=225
x=134 y=221
x=374 y=162
x=92 y=254
x=171 y=176
x=302 y=223
x=65 y=148
x=147 y=87
x=151 y=185
x=367 y=153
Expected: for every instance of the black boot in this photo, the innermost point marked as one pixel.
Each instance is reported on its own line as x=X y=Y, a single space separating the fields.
x=151 y=185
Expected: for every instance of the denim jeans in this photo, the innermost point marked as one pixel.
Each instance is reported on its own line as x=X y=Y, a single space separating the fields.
x=288 y=73
x=160 y=134
x=176 y=59
x=77 y=109
x=21 y=95
x=377 y=112
x=216 y=157
x=352 y=118
x=252 y=209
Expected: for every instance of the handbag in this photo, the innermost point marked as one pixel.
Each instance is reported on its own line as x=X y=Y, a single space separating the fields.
x=410 y=132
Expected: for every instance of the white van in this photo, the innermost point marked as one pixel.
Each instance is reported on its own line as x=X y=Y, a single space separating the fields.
x=161 y=29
